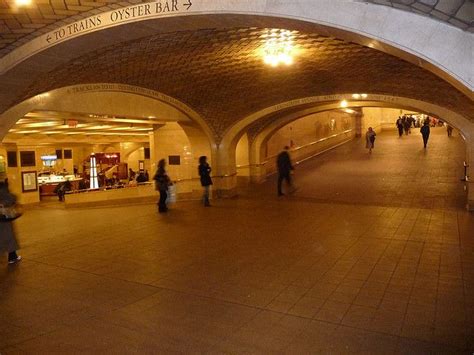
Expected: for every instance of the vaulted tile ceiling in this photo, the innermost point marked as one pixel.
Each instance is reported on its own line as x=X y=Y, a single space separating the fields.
x=220 y=72
x=19 y=25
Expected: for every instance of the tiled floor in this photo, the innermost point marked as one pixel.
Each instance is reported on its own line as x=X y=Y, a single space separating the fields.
x=372 y=254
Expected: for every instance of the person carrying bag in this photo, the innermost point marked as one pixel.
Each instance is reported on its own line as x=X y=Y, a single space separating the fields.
x=8 y=214
x=162 y=183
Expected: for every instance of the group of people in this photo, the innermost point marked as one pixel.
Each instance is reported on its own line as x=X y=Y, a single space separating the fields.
x=405 y=122
x=134 y=178
x=163 y=182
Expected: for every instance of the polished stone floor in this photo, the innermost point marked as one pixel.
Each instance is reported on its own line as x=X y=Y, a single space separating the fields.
x=373 y=254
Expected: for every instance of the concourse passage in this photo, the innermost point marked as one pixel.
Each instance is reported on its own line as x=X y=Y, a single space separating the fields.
x=350 y=263
x=399 y=172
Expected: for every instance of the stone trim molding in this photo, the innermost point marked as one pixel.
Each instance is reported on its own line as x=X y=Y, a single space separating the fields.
x=446 y=48
x=9 y=118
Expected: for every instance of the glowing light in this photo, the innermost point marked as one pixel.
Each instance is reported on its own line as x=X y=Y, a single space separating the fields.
x=363 y=96
x=343 y=103
x=23 y=2
x=278 y=47
x=94 y=181
x=355 y=96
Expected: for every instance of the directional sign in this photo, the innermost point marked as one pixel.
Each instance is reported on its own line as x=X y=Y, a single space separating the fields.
x=121 y=15
x=188 y=4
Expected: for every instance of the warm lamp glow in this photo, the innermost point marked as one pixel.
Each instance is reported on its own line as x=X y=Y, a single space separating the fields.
x=358 y=96
x=278 y=48
x=94 y=180
x=343 y=103
x=22 y=2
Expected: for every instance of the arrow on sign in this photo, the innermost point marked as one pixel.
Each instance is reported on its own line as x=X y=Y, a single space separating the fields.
x=188 y=4
x=48 y=38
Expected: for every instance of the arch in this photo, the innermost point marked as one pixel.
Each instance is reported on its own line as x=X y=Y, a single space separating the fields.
x=130 y=150
x=60 y=98
x=424 y=41
x=294 y=109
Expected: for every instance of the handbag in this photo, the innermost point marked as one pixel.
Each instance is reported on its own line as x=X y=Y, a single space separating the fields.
x=8 y=214
x=171 y=194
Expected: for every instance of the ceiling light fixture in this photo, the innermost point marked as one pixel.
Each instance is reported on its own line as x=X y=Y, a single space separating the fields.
x=23 y=2
x=278 y=47
x=358 y=96
x=343 y=103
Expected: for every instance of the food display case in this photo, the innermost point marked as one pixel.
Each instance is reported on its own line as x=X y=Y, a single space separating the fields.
x=48 y=181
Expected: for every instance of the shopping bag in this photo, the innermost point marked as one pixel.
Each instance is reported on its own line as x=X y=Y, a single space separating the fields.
x=171 y=194
x=8 y=214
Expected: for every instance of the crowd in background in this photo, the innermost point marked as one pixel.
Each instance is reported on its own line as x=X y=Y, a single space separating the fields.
x=405 y=122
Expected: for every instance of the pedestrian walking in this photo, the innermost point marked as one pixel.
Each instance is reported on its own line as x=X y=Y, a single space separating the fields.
x=407 y=125
x=449 y=129
x=8 y=242
x=370 y=139
x=399 y=124
x=284 y=167
x=204 y=171
x=425 y=132
x=162 y=182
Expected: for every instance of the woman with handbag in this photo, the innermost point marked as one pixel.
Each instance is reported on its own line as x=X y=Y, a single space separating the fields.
x=204 y=171
x=162 y=182
x=8 y=241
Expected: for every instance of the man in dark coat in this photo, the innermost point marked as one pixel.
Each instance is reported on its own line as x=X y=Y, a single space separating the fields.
x=284 y=169
x=204 y=171
x=400 y=127
x=425 y=132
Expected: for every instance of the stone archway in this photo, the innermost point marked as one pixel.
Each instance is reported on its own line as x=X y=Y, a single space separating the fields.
x=292 y=110
x=407 y=35
x=66 y=56
x=106 y=98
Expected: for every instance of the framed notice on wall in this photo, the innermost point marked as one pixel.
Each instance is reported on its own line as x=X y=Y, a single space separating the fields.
x=174 y=160
x=29 y=181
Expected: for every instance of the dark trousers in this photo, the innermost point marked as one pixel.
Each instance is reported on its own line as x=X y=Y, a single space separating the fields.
x=425 y=140
x=281 y=177
x=12 y=256
x=400 y=131
x=162 y=202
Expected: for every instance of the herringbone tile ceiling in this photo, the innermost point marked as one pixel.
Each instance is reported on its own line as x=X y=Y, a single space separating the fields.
x=19 y=25
x=220 y=72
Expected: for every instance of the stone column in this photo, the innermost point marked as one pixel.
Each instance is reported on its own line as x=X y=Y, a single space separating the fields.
x=224 y=172
x=358 y=123
x=258 y=171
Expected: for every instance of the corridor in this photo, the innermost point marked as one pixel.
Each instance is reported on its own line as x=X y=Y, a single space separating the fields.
x=373 y=253
x=398 y=173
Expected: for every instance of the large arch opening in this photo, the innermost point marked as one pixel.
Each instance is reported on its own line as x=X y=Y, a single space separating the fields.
x=128 y=129
x=161 y=52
